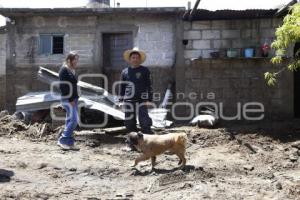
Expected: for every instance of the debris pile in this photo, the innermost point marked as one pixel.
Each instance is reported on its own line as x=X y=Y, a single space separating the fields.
x=207 y=118
x=95 y=102
x=11 y=125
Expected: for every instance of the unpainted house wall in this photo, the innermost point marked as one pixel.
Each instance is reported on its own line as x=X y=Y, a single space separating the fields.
x=2 y=70
x=234 y=81
x=153 y=34
x=208 y=36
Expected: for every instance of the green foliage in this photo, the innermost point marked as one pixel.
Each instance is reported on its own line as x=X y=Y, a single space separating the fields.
x=271 y=78
x=286 y=35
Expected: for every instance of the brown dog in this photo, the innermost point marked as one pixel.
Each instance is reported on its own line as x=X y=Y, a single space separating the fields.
x=153 y=145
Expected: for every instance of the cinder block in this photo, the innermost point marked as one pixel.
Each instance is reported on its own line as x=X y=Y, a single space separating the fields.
x=241 y=24
x=211 y=34
x=187 y=25
x=230 y=34
x=246 y=33
x=221 y=24
x=201 y=25
x=265 y=23
x=189 y=54
x=267 y=33
x=276 y=22
x=218 y=44
x=201 y=44
x=238 y=43
x=190 y=35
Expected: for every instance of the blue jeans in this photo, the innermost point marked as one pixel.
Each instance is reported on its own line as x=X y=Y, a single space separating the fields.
x=71 y=122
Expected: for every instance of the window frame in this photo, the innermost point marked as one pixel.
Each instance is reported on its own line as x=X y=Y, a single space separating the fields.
x=51 y=45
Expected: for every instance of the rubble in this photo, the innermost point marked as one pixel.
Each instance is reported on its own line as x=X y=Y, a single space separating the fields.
x=248 y=167
x=206 y=119
x=278 y=186
x=92 y=98
x=296 y=144
x=10 y=125
x=3 y=113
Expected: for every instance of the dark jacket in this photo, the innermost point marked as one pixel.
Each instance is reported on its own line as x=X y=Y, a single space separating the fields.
x=140 y=77
x=66 y=74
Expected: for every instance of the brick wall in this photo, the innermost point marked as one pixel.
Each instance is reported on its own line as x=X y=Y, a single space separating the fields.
x=205 y=37
x=233 y=81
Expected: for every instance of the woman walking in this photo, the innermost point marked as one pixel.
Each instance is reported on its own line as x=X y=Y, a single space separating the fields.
x=69 y=94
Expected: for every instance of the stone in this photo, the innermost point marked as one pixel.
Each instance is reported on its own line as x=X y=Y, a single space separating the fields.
x=278 y=186
x=296 y=144
x=248 y=167
x=293 y=157
x=22 y=165
x=72 y=169
x=41 y=165
x=186 y=186
x=3 y=113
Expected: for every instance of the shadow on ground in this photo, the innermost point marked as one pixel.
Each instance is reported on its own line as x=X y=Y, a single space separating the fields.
x=283 y=131
x=5 y=175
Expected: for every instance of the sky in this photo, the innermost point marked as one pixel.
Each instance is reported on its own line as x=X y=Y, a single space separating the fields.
x=205 y=4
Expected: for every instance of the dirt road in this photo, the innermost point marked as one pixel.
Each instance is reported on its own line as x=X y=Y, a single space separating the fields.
x=233 y=162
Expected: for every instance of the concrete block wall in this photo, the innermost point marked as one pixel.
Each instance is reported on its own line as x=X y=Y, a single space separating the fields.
x=153 y=34
x=79 y=35
x=230 y=81
x=205 y=37
x=2 y=70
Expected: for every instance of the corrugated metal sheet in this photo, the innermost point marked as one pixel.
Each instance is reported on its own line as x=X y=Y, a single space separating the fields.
x=202 y=14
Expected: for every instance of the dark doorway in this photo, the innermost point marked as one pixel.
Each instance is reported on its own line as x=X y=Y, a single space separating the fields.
x=114 y=45
x=297 y=85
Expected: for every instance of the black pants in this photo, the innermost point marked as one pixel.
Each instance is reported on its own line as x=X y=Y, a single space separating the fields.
x=132 y=109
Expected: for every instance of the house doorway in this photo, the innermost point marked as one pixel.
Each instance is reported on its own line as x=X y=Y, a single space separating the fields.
x=297 y=85
x=114 y=45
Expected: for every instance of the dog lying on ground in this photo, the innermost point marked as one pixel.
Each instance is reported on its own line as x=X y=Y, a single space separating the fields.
x=154 y=145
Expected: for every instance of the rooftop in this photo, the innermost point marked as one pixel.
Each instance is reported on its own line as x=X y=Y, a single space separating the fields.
x=202 y=14
x=9 y=12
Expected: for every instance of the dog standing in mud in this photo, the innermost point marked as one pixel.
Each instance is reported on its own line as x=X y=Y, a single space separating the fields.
x=154 y=145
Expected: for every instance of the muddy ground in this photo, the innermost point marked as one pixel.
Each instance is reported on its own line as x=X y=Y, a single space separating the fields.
x=235 y=161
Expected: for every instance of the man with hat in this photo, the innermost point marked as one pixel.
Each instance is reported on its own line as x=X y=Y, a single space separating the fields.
x=136 y=91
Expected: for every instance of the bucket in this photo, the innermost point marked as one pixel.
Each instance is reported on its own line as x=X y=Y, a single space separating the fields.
x=249 y=52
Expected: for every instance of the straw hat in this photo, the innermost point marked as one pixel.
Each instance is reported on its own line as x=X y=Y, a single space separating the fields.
x=135 y=49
